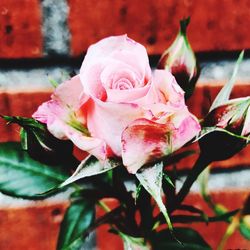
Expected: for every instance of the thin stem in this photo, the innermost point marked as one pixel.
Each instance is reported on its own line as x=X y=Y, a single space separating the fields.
x=199 y=166
x=195 y=218
x=192 y=218
x=103 y=206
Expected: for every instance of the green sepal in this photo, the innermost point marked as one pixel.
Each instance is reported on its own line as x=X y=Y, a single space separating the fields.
x=225 y=92
x=183 y=25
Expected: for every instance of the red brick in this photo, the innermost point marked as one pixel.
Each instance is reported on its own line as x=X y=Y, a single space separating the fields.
x=104 y=239
x=155 y=23
x=31 y=227
x=20 y=29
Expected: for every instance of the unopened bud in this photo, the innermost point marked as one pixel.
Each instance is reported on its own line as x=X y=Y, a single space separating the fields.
x=233 y=118
x=180 y=60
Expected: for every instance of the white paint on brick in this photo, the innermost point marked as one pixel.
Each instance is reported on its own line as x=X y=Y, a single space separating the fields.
x=32 y=79
x=222 y=70
x=38 y=78
x=223 y=181
x=55 y=27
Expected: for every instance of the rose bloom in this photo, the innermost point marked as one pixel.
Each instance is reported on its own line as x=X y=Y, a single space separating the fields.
x=118 y=107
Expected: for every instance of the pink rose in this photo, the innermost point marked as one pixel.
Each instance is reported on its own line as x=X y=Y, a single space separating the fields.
x=124 y=109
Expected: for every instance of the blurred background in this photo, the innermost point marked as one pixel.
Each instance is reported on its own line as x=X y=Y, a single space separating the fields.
x=42 y=40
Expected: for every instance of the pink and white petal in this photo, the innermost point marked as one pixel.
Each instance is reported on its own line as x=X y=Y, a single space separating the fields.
x=126 y=96
x=144 y=141
x=187 y=127
x=52 y=114
x=138 y=60
x=116 y=70
x=107 y=46
x=91 y=80
x=93 y=146
x=151 y=97
x=169 y=91
x=55 y=116
x=70 y=93
x=246 y=127
x=107 y=120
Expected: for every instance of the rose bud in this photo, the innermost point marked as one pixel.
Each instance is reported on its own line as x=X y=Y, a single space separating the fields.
x=231 y=123
x=180 y=60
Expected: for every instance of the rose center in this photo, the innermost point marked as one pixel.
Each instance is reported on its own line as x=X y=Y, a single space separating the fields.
x=121 y=79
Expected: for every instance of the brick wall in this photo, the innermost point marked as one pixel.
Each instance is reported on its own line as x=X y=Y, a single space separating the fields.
x=42 y=39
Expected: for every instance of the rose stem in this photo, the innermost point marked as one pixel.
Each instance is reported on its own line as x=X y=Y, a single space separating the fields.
x=201 y=163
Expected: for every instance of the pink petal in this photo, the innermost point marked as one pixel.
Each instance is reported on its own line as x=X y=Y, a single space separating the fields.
x=187 y=128
x=110 y=46
x=107 y=53
x=168 y=89
x=91 y=79
x=107 y=120
x=70 y=93
x=53 y=115
x=93 y=146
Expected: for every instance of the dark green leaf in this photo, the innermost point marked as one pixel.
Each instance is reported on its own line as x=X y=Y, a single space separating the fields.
x=42 y=145
x=23 y=121
x=190 y=238
x=79 y=216
x=21 y=176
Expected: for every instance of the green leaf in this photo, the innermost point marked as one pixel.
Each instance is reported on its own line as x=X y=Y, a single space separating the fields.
x=79 y=216
x=190 y=238
x=89 y=167
x=151 y=180
x=21 y=176
x=244 y=226
x=207 y=130
x=225 y=92
x=169 y=181
x=23 y=121
x=132 y=243
x=42 y=145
